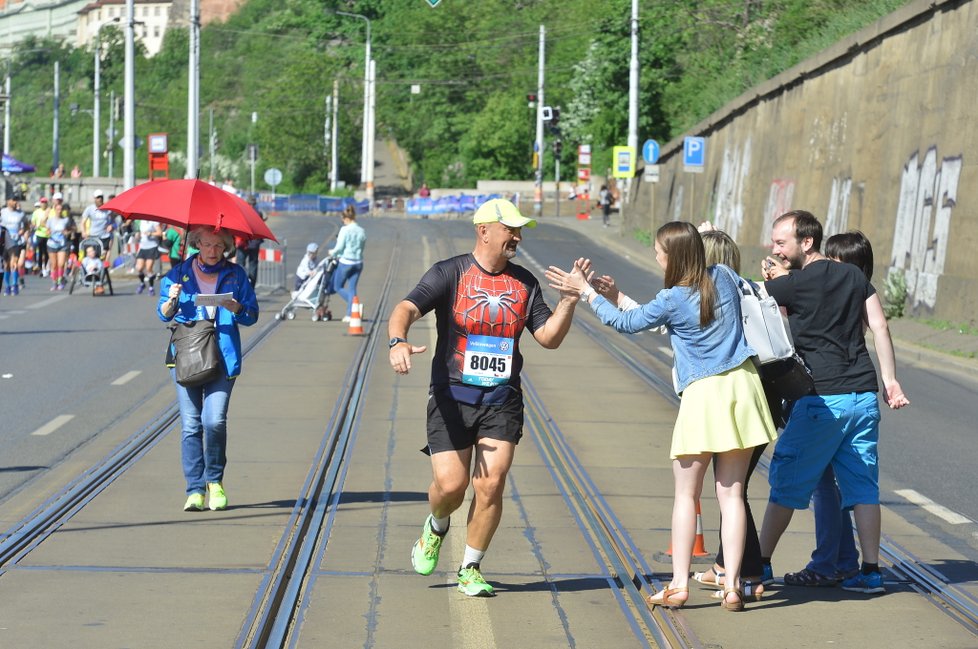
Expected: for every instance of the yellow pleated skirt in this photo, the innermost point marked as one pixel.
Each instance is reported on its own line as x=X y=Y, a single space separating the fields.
x=723 y=412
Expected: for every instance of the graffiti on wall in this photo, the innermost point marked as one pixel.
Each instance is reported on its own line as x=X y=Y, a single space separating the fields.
x=728 y=214
x=928 y=194
x=837 y=216
x=779 y=198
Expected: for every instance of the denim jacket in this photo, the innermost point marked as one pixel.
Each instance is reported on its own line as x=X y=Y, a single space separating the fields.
x=230 y=279
x=699 y=352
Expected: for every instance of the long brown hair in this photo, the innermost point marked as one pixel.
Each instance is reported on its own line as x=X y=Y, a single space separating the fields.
x=686 y=265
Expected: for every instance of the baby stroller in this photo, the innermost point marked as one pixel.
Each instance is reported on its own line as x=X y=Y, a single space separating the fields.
x=100 y=282
x=312 y=294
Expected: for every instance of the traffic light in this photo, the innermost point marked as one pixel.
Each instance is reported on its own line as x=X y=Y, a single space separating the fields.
x=554 y=121
x=531 y=99
x=558 y=147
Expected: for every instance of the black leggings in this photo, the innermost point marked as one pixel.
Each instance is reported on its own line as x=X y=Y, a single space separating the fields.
x=41 y=253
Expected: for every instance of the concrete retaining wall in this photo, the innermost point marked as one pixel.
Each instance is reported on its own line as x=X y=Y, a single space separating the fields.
x=877 y=134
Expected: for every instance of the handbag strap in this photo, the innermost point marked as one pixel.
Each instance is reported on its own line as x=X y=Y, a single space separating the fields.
x=742 y=284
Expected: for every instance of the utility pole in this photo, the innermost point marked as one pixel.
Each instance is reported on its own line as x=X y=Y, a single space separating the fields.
x=113 y=116
x=129 y=139
x=334 y=180
x=370 y=136
x=632 y=101
x=364 y=154
x=211 y=142
x=538 y=147
x=6 y=112
x=193 y=93
x=55 y=135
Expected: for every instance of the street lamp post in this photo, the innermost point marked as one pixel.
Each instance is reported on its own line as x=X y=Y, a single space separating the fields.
x=96 y=109
x=364 y=153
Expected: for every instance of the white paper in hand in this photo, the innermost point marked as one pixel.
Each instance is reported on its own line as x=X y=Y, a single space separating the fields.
x=211 y=299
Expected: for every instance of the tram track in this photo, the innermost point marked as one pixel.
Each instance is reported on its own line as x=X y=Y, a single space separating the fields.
x=624 y=565
x=275 y=614
x=958 y=604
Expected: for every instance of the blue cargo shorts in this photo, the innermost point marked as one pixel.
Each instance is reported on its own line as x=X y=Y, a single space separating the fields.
x=837 y=429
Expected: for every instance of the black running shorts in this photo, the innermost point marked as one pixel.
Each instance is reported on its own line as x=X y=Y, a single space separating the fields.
x=455 y=426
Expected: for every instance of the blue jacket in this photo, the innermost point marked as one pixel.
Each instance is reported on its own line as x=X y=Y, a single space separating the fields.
x=699 y=352
x=230 y=279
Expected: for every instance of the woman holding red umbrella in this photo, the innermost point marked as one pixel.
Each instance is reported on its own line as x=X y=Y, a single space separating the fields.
x=203 y=409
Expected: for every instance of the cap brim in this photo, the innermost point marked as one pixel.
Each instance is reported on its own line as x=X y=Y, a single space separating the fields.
x=518 y=222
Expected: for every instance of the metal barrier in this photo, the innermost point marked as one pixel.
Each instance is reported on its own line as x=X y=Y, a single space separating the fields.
x=272 y=261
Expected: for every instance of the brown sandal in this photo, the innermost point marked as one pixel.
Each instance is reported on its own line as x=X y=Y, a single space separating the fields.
x=732 y=606
x=669 y=597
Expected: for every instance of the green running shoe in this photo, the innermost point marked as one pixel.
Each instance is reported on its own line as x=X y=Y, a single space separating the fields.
x=218 y=499
x=424 y=554
x=471 y=583
x=195 y=503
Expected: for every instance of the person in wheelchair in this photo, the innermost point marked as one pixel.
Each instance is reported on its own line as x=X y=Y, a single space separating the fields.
x=93 y=265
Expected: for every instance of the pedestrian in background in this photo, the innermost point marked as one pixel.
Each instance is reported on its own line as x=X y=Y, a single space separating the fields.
x=204 y=408
x=349 y=255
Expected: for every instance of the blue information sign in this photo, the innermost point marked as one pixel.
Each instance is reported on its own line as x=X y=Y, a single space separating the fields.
x=650 y=152
x=694 y=151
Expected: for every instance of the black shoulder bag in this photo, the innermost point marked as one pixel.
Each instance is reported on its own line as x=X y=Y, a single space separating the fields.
x=196 y=355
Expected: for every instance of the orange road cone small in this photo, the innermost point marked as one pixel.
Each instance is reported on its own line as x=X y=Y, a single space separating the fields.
x=356 y=318
x=699 y=544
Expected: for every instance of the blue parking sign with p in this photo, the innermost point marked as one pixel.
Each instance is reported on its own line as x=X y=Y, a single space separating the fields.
x=694 y=151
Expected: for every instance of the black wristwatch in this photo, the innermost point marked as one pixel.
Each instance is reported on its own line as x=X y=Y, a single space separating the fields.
x=395 y=341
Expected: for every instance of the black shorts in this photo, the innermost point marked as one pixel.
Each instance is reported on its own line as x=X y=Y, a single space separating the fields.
x=149 y=253
x=455 y=426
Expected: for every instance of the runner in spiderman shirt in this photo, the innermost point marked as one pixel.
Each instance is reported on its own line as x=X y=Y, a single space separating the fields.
x=482 y=304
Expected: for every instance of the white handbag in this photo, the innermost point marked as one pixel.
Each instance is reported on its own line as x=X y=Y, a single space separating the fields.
x=764 y=327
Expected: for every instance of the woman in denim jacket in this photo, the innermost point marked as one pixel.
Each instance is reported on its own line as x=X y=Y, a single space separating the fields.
x=204 y=409
x=723 y=409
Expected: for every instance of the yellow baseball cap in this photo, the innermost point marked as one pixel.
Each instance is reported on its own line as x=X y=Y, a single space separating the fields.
x=505 y=212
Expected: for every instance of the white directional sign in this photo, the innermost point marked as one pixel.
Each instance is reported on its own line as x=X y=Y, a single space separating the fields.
x=273 y=176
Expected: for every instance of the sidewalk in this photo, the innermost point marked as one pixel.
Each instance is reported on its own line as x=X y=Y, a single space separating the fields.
x=915 y=340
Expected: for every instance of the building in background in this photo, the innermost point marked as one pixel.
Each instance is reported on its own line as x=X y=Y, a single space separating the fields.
x=77 y=21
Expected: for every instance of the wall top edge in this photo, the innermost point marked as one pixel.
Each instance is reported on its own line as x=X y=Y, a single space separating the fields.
x=867 y=38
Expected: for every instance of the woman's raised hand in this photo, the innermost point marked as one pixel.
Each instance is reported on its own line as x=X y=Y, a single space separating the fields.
x=605 y=286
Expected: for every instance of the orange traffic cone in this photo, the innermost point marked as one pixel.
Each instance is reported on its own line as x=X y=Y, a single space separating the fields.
x=699 y=544
x=356 y=319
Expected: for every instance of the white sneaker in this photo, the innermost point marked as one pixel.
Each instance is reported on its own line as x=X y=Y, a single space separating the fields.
x=346 y=318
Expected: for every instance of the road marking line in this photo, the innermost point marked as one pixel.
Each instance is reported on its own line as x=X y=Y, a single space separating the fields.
x=125 y=378
x=666 y=350
x=940 y=511
x=50 y=300
x=53 y=425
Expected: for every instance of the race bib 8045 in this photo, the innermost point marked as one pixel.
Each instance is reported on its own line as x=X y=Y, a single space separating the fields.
x=488 y=361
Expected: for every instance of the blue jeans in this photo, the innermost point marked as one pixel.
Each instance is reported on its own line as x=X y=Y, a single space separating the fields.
x=835 y=545
x=343 y=275
x=204 y=415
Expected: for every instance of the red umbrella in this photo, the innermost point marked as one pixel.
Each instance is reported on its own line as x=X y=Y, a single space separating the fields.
x=189 y=203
